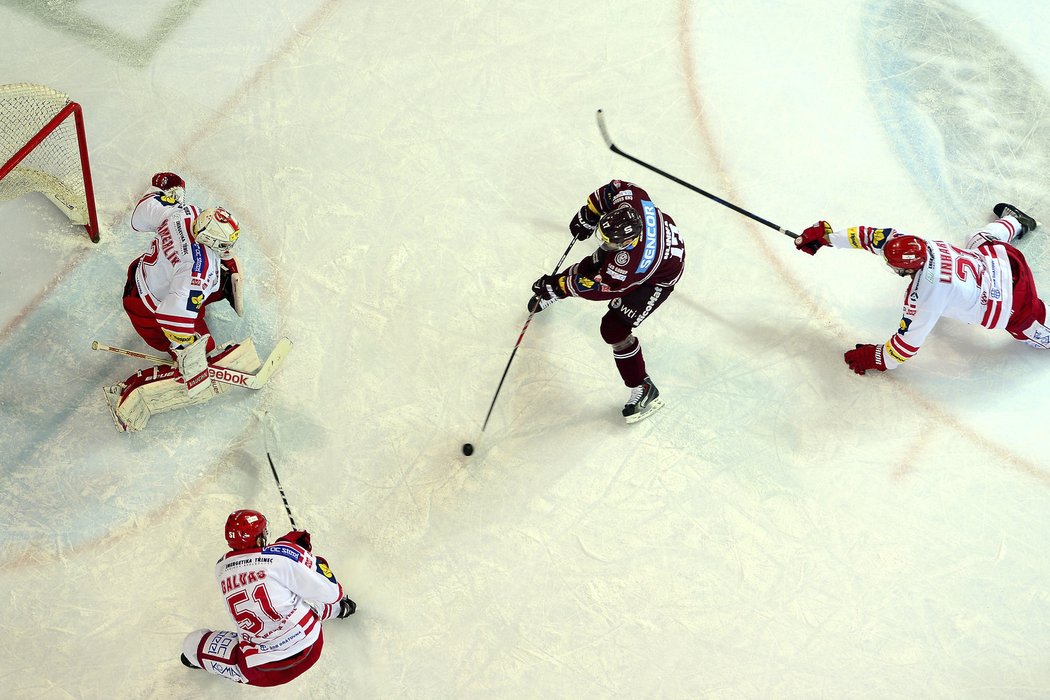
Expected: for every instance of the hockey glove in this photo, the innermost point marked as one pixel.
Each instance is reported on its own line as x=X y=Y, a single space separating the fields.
x=347 y=607
x=814 y=238
x=299 y=537
x=547 y=290
x=584 y=223
x=192 y=361
x=173 y=187
x=865 y=357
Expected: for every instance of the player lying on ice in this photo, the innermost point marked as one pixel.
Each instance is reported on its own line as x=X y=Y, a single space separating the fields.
x=987 y=283
x=188 y=265
x=640 y=259
x=278 y=595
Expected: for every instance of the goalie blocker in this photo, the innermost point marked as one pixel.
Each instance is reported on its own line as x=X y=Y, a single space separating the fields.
x=163 y=388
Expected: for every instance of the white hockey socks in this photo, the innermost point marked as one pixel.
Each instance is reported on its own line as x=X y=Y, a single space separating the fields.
x=161 y=388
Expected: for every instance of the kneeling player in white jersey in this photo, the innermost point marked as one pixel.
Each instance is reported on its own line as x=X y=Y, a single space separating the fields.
x=188 y=265
x=278 y=596
x=987 y=283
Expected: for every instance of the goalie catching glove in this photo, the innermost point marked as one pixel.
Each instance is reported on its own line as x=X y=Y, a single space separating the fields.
x=172 y=187
x=814 y=238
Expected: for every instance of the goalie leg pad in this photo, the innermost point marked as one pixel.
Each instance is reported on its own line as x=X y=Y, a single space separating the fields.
x=151 y=391
x=241 y=356
x=160 y=389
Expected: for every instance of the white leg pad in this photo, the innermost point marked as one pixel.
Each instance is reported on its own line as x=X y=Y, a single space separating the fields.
x=160 y=388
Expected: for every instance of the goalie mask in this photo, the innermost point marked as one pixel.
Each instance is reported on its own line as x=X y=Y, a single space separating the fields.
x=905 y=254
x=217 y=229
x=246 y=529
x=620 y=229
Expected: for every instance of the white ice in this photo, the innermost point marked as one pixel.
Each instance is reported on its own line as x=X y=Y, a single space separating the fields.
x=404 y=171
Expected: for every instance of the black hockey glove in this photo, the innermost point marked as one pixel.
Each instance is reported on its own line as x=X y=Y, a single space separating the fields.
x=347 y=607
x=584 y=223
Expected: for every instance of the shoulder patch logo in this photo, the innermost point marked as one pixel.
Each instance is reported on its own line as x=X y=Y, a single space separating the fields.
x=195 y=301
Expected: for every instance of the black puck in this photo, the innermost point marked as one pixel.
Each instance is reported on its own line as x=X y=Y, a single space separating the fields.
x=468 y=449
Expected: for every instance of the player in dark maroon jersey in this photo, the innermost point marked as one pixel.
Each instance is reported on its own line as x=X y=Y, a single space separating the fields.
x=635 y=269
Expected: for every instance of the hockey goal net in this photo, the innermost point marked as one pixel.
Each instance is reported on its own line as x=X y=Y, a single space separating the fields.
x=43 y=149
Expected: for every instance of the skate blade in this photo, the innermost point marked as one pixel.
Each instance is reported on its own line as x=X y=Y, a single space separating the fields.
x=652 y=408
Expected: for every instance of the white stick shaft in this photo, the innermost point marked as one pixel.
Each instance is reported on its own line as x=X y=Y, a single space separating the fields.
x=155 y=359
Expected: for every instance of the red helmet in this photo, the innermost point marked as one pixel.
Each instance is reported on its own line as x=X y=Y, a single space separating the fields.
x=244 y=528
x=905 y=253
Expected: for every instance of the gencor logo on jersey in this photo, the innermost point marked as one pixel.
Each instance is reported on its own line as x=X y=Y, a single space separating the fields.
x=649 y=252
x=225 y=376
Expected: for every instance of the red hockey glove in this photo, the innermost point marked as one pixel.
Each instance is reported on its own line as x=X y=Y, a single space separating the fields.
x=814 y=238
x=165 y=181
x=299 y=537
x=865 y=357
x=172 y=186
x=584 y=223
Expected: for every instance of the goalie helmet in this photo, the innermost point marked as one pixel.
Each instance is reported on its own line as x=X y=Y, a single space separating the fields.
x=620 y=229
x=217 y=229
x=905 y=254
x=246 y=529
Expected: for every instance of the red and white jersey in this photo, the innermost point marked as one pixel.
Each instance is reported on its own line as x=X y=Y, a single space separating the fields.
x=973 y=286
x=175 y=276
x=266 y=591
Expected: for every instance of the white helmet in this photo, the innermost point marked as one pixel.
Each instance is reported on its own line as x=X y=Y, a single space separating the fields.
x=217 y=229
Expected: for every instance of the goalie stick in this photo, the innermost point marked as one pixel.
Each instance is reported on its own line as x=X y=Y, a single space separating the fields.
x=248 y=380
x=740 y=210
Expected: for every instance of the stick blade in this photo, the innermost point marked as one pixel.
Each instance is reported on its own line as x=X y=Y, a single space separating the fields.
x=600 y=117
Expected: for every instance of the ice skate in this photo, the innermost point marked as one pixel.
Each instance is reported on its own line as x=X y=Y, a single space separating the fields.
x=645 y=399
x=1027 y=223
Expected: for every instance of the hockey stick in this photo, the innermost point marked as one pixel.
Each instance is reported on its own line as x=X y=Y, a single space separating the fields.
x=280 y=488
x=267 y=432
x=518 y=344
x=248 y=380
x=740 y=210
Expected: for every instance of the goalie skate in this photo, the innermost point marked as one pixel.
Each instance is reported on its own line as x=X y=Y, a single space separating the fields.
x=645 y=400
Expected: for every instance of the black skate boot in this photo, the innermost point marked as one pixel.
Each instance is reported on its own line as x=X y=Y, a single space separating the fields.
x=645 y=399
x=1027 y=223
x=188 y=664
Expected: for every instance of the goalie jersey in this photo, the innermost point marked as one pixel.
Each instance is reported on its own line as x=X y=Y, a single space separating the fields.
x=177 y=274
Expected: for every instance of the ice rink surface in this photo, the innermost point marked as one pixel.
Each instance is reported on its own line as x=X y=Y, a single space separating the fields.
x=403 y=172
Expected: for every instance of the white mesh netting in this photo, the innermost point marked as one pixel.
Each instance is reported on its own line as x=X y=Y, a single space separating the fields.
x=53 y=167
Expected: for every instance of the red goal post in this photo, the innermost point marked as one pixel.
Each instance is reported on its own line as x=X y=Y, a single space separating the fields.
x=45 y=151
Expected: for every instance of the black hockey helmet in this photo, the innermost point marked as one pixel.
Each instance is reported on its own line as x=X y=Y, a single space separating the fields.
x=621 y=228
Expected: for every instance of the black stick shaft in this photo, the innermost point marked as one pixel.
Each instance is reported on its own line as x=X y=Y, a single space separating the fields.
x=740 y=210
x=518 y=344
x=280 y=488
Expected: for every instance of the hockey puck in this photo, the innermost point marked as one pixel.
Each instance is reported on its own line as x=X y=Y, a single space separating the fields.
x=468 y=449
